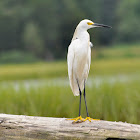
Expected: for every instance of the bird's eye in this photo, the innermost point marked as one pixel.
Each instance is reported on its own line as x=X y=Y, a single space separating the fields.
x=90 y=23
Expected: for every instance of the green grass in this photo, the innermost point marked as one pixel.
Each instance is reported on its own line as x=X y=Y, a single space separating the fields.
x=59 y=69
x=117 y=52
x=114 y=60
x=119 y=101
x=33 y=71
x=42 y=89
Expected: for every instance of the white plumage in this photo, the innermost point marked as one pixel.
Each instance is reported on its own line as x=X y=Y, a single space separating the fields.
x=79 y=57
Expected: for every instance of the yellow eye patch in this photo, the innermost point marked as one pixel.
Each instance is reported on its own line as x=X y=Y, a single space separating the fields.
x=90 y=23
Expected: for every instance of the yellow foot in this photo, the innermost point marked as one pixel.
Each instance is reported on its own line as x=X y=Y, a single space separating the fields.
x=78 y=119
x=88 y=118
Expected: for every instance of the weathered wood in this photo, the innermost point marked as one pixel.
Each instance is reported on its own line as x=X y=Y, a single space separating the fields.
x=25 y=127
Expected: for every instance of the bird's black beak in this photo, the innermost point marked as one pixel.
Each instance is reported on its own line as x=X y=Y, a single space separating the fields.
x=101 y=25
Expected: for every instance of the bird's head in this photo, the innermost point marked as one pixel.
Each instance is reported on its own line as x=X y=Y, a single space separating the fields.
x=87 y=24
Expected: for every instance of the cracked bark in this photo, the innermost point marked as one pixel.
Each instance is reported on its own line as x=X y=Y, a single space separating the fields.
x=25 y=127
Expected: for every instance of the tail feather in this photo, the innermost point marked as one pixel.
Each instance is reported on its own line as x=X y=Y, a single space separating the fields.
x=75 y=88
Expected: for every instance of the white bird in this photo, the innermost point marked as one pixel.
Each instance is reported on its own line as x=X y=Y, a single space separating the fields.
x=79 y=59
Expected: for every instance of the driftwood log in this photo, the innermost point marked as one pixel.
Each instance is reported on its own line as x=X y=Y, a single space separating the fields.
x=22 y=127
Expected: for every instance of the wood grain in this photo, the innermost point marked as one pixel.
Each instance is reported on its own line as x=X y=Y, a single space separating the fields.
x=25 y=127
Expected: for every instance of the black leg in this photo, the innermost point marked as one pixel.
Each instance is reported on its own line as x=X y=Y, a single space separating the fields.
x=80 y=102
x=85 y=101
x=80 y=99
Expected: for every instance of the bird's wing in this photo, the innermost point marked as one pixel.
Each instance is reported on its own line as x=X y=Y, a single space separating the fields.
x=89 y=59
x=70 y=62
x=70 y=59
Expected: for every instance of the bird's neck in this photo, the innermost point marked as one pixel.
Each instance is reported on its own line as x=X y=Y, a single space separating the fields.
x=81 y=34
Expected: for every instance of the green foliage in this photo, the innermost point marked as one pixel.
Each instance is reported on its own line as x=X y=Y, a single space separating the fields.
x=112 y=90
x=32 y=39
x=128 y=18
x=45 y=28
x=59 y=69
x=117 y=101
x=119 y=59
x=16 y=57
x=117 y=52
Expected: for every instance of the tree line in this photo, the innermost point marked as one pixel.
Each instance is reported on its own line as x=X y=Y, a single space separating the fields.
x=44 y=28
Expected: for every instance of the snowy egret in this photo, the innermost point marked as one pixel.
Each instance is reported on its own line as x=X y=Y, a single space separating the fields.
x=79 y=59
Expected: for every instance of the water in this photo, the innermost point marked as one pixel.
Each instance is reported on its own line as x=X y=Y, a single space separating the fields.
x=60 y=82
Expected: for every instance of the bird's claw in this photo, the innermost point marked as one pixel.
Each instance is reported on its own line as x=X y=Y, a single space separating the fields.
x=78 y=119
x=88 y=118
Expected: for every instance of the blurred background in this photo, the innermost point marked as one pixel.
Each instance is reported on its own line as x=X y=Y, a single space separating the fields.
x=34 y=39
